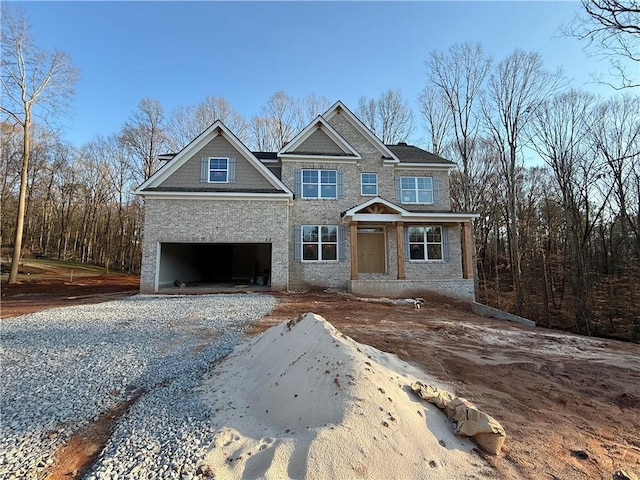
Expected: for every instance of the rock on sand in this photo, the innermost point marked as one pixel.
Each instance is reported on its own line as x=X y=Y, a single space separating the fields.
x=301 y=400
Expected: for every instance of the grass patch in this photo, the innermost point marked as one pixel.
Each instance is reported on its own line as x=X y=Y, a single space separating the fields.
x=48 y=269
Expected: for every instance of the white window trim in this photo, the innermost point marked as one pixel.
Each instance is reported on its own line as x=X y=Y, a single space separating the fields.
x=425 y=243
x=319 y=184
x=415 y=190
x=362 y=184
x=218 y=170
x=319 y=243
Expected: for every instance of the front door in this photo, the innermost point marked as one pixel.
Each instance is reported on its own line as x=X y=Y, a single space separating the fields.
x=371 y=250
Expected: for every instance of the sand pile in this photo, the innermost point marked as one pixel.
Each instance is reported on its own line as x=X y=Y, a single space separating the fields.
x=301 y=400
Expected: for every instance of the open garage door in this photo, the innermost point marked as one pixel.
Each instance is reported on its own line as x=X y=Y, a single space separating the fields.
x=211 y=265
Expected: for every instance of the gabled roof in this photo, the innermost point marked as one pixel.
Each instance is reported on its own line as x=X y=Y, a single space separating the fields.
x=411 y=154
x=377 y=209
x=319 y=123
x=215 y=130
x=387 y=155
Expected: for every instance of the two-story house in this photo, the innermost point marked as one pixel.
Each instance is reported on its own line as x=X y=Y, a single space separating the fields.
x=334 y=208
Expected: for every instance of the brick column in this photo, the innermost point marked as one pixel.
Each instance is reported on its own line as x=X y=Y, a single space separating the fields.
x=400 y=250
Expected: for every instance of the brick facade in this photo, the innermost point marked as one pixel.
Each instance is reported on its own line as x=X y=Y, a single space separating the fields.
x=235 y=221
x=274 y=221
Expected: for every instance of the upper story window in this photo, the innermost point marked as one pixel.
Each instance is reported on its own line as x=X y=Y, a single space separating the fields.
x=425 y=243
x=419 y=190
x=369 y=184
x=319 y=183
x=218 y=170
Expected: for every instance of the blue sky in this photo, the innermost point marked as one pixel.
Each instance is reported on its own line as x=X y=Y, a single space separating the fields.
x=180 y=52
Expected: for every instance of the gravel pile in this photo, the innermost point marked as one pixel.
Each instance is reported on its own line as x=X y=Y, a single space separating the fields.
x=63 y=368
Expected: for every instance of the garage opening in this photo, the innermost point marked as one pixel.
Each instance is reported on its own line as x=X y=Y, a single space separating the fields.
x=211 y=265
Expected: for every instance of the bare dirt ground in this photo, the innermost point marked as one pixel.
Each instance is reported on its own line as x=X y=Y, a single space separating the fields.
x=33 y=295
x=570 y=404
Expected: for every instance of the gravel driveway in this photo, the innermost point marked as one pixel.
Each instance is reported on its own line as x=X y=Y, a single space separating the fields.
x=63 y=368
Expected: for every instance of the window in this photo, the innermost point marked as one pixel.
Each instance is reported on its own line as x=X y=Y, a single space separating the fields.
x=319 y=184
x=319 y=243
x=369 y=184
x=425 y=243
x=218 y=170
x=416 y=190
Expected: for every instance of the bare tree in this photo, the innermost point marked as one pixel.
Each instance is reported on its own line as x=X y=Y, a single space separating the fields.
x=516 y=88
x=282 y=118
x=612 y=30
x=186 y=123
x=261 y=139
x=34 y=83
x=436 y=118
x=561 y=127
x=308 y=108
x=616 y=136
x=144 y=136
x=389 y=116
x=275 y=125
x=459 y=75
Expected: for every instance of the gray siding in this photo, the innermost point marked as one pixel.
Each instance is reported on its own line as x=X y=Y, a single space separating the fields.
x=319 y=142
x=188 y=175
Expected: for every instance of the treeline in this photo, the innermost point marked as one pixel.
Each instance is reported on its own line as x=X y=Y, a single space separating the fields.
x=554 y=173
x=79 y=201
x=558 y=242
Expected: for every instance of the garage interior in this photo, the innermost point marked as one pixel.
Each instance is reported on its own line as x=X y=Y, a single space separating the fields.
x=214 y=265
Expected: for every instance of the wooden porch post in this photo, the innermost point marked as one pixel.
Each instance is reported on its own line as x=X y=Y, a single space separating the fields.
x=467 y=251
x=400 y=250
x=354 y=250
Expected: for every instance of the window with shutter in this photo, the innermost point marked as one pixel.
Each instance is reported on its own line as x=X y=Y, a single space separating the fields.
x=323 y=184
x=217 y=170
x=318 y=243
x=425 y=243
x=418 y=190
x=368 y=184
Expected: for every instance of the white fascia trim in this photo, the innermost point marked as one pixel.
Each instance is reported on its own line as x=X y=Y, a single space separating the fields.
x=405 y=216
x=309 y=130
x=371 y=201
x=182 y=156
x=361 y=127
x=291 y=157
x=422 y=217
x=425 y=165
x=217 y=196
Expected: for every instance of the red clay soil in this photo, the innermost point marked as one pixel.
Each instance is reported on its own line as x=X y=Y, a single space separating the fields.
x=570 y=405
x=32 y=296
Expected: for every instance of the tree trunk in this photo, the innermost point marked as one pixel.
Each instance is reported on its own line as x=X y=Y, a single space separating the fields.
x=17 y=244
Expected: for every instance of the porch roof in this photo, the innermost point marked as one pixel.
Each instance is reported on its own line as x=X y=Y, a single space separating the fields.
x=379 y=210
